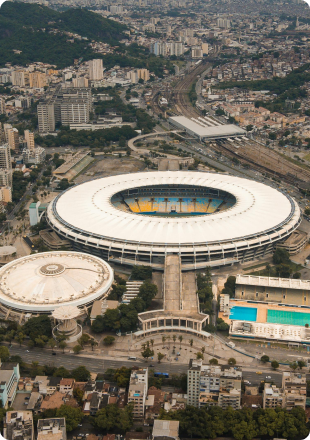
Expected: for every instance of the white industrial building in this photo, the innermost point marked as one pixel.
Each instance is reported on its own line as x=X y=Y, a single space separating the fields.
x=203 y=131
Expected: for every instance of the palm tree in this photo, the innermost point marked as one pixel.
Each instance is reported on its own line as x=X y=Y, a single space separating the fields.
x=169 y=337
x=163 y=338
x=93 y=343
x=180 y=339
x=203 y=349
x=152 y=342
x=174 y=338
x=191 y=341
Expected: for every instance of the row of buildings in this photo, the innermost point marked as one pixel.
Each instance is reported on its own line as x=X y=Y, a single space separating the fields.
x=221 y=386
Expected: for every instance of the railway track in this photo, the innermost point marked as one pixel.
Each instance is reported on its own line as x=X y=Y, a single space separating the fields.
x=264 y=160
x=180 y=96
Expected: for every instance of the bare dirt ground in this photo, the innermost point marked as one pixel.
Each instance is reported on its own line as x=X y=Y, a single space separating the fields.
x=110 y=166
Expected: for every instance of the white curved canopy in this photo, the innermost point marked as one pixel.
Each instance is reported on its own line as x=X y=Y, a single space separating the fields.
x=42 y=282
x=259 y=208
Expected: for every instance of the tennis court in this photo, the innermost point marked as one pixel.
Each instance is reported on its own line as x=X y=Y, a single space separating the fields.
x=290 y=318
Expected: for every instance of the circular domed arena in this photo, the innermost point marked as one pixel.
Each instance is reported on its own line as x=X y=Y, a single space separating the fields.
x=41 y=283
x=209 y=219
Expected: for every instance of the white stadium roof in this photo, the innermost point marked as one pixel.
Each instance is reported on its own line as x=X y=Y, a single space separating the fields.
x=86 y=212
x=45 y=281
x=202 y=132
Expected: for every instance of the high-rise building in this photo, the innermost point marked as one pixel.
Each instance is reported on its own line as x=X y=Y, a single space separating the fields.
x=37 y=80
x=80 y=82
x=144 y=74
x=5 y=165
x=213 y=385
x=13 y=139
x=68 y=106
x=46 y=117
x=176 y=48
x=95 y=69
x=137 y=392
x=29 y=138
x=20 y=78
x=18 y=424
x=2 y=106
x=159 y=48
x=223 y=23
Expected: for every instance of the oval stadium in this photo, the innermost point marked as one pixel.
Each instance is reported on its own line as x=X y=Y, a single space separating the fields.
x=209 y=219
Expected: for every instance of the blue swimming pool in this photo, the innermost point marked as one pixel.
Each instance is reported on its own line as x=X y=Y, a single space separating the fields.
x=243 y=313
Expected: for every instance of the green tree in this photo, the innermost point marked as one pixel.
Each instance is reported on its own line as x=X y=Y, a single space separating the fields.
x=20 y=337
x=301 y=364
x=73 y=416
x=230 y=286
x=62 y=372
x=160 y=356
x=231 y=361
x=122 y=376
x=62 y=345
x=84 y=339
x=38 y=326
x=147 y=353
x=80 y=374
x=213 y=361
x=77 y=349
x=51 y=343
x=108 y=340
x=281 y=256
x=275 y=364
x=199 y=355
x=147 y=292
x=141 y=273
x=264 y=359
x=4 y=353
x=93 y=344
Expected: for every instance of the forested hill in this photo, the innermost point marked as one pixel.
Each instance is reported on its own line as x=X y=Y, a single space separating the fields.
x=30 y=28
x=15 y=16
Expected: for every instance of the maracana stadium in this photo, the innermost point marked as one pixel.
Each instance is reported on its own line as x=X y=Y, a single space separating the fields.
x=209 y=219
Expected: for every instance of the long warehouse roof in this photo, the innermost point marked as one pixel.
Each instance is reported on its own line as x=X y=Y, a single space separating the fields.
x=87 y=208
x=204 y=132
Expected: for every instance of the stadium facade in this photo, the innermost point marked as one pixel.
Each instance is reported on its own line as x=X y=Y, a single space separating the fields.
x=208 y=219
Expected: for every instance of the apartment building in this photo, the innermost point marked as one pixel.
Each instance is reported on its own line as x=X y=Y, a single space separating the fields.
x=2 y=106
x=68 y=106
x=214 y=385
x=46 y=117
x=95 y=70
x=80 y=82
x=272 y=396
x=35 y=155
x=13 y=139
x=137 y=392
x=18 y=424
x=9 y=377
x=29 y=138
x=20 y=78
x=5 y=166
x=37 y=80
x=52 y=429
x=295 y=389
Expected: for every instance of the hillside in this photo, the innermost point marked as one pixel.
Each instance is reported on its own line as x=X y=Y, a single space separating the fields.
x=28 y=28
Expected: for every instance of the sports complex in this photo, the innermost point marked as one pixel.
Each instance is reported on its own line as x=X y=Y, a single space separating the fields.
x=207 y=219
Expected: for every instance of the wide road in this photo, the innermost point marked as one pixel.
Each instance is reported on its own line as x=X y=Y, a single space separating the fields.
x=96 y=364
